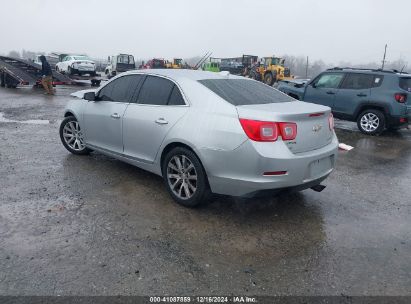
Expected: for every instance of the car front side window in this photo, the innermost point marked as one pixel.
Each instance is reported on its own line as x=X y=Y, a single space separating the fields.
x=329 y=80
x=120 y=89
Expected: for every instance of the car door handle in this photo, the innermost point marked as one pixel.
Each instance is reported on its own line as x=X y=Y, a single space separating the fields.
x=330 y=93
x=161 y=121
x=115 y=116
x=361 y=95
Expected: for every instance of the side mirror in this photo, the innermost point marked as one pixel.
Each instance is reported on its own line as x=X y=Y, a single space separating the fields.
x=91 y=96
x=313 y=85
x=108 y=58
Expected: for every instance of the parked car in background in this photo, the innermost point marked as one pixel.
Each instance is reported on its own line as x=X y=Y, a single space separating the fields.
x=76 y=64
x=205 y=133
x=119 y=63
x=375 y=99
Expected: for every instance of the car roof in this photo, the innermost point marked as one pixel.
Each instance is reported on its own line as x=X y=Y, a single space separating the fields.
x=180 y=74
x=368 y=71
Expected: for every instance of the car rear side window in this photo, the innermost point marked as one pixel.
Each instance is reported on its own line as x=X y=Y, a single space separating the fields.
x=175 y=98
x=357 y=81
x=155 y=91
x=377 y=80
x=245 y=92
x=405 y=84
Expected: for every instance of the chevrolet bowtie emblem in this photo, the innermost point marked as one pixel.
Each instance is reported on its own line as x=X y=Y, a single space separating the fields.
x=317 y=128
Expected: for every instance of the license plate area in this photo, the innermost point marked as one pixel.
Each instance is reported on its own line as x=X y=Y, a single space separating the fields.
x=320 y=167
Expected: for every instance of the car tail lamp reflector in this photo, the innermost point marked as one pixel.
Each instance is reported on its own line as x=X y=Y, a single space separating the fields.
x=268 y=131
x=331 y=121
x=275 y=173
x=400 y=97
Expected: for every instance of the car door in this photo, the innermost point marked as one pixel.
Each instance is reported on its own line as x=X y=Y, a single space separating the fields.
x=324 y=89
x=354 y=90
x=103 y=118
x=157 y=108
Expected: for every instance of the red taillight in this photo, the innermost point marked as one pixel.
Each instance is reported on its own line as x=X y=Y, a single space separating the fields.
x=268 y=131
x=400 y=97
x=331 y=121
x=260 y=130
x=288 y=130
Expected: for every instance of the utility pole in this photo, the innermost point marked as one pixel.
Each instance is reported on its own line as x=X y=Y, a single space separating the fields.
x=383 y=60
x=306 y=69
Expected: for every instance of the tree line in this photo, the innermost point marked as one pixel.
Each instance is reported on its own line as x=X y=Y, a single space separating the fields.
x=297 y=64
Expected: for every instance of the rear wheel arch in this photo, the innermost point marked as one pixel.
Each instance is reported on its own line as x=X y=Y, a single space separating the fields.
x=68 y=113
x=371 y=106
x=173 y=145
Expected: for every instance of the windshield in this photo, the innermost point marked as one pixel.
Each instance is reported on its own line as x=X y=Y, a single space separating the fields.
x=277 y=61
x=81 y=58
x=244 y=92
x=127 y=59
x=405 y=84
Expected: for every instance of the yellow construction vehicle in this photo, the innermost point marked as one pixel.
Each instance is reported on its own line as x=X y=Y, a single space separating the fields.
x=270 y=70
x=176 y=64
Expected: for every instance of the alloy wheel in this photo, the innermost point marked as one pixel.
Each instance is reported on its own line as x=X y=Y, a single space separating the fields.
x=369 y=122
x=182 y=176
x=73 y=136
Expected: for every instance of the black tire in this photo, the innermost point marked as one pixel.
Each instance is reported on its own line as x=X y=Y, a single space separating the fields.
x=202 y=190
x=70 y=71
x=269 y=79
x=371 y=122
x=65 y=122
x=2 y=79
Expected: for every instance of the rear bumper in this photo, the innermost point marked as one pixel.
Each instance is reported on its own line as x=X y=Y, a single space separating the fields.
x=399 y=121
x=240 y=172
x=85 y=68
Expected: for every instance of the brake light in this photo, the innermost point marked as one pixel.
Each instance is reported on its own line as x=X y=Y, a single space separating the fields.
x=331 y=121
x=268 y=131
x=315 y=114
x=400 y=97
x=260 y=130
x=288 y=130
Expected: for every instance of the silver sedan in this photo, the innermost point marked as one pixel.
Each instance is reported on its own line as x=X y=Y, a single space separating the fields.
x=205 y=133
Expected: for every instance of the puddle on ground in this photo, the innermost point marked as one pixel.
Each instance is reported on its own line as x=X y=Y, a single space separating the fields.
x=31 y=121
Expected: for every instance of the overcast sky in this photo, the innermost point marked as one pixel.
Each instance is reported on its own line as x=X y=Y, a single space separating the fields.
x=334 y=31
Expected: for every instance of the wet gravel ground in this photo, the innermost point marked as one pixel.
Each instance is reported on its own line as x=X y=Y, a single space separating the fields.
x=92 y=225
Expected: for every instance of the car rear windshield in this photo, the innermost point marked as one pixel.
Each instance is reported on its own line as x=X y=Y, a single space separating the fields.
x=405 y=84
x=241 y=92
